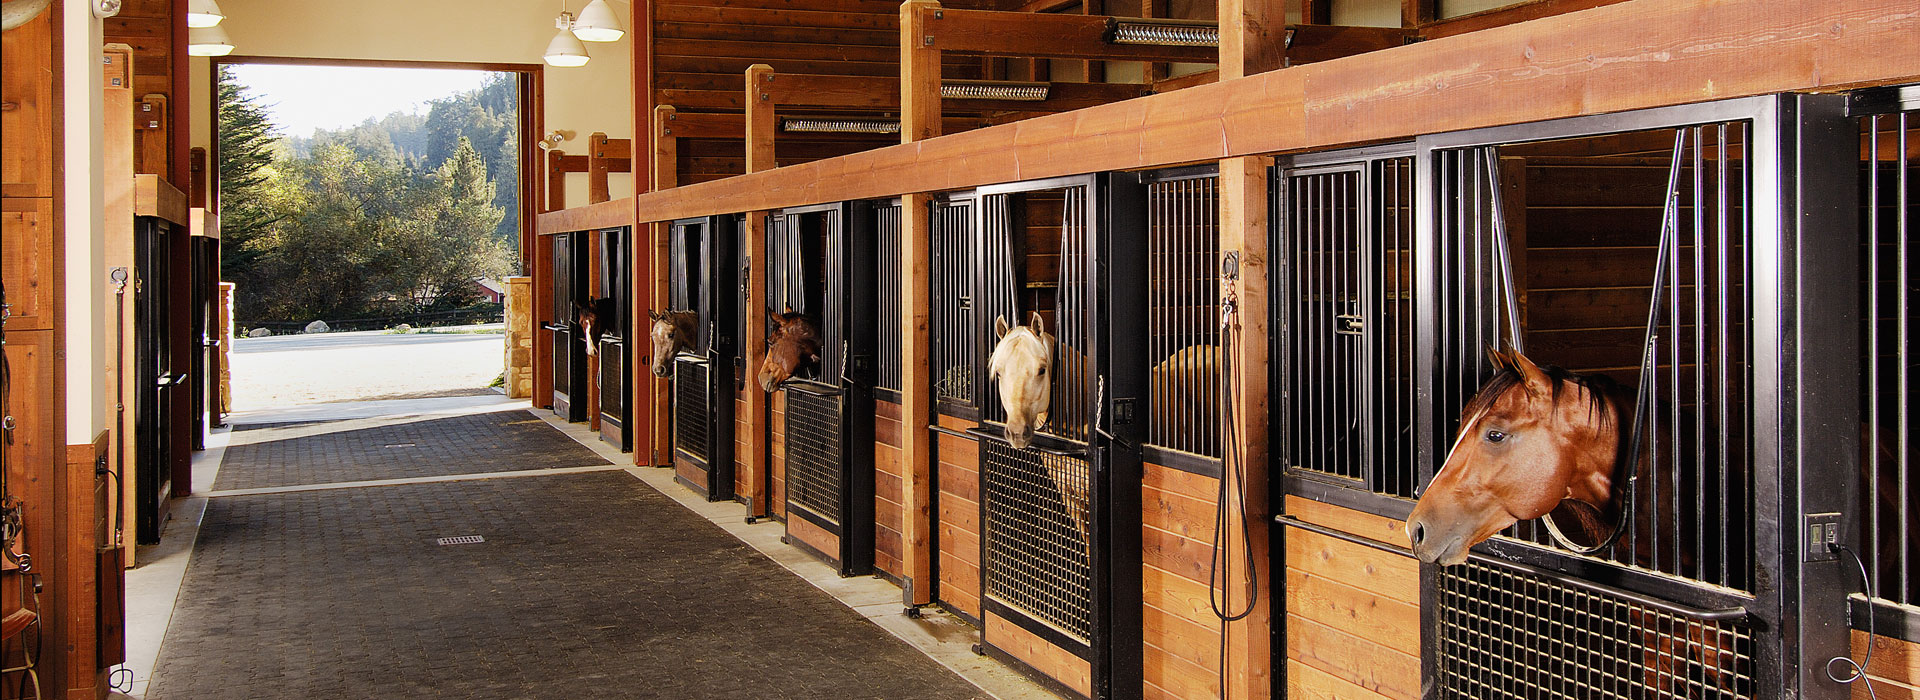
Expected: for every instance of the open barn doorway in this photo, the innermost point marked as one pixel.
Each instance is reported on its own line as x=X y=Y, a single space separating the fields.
x=372 y=214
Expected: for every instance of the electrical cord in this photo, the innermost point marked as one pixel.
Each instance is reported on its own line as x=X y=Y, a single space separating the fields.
x=1859 y=668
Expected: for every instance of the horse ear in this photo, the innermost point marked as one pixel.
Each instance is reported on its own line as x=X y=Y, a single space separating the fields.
x=999 y=327
x=1033 y=321
x=1498 y=358
x=1537 y=380
x=774 y=319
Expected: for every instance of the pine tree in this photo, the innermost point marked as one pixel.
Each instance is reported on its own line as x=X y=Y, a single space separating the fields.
x=246 y=148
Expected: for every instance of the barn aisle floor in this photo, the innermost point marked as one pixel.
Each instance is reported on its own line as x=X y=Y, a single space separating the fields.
x=592 y=580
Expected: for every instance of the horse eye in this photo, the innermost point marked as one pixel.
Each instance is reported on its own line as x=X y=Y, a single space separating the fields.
x=1042 y=372
x=1496 y=436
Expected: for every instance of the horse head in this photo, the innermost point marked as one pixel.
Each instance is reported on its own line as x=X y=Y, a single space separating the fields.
x=591 y=327
x=1020 y=368
x=1531 y=441
x=792 y=342
x=671 y=332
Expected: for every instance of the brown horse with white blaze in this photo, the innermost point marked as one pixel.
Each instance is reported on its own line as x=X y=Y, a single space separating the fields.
x=1533 y=441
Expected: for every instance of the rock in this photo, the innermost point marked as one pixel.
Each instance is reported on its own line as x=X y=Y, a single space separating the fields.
x=259 y=333
x=317 y=327
x=403 y=328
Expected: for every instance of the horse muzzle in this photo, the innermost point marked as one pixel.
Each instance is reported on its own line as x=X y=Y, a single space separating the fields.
x=662 y=371
x=1432 y=545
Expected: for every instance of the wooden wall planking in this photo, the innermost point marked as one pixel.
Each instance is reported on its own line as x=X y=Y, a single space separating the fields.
x=958 y=519
x=887 y=488
x=147 y=26
x=1181 y=634
x=1352 y=612
x=1895 y=669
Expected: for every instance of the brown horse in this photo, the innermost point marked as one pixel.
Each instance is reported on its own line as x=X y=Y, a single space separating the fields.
x=671 y=332
x=592 y=329
x=1532 y=442
x=792 y=342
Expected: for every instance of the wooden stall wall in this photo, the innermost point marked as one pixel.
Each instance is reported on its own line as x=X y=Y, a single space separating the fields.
x=1352 y=611
x=958 y=524
x=888 y=485
x=1894 y=669
x=1180 y=632
x=148 y=27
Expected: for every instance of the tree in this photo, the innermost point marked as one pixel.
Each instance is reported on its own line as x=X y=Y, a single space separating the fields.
x=246 y=148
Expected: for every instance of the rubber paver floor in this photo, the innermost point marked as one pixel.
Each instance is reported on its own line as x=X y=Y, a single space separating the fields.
x=589 y=585
x=498 y=441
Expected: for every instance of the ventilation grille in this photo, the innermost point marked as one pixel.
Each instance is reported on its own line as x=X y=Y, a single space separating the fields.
x=1037 y=515
x=816 y=470
x=690 y=380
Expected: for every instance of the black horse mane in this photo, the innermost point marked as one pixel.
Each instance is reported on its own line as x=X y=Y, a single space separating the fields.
x=1599 y=388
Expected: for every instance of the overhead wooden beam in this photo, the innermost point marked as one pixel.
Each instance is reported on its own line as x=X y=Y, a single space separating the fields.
x=1043 y=36
x=1512 y=14
x=695 y=125
x=1253 y=37
x=1415 y=13
x=1313 y=43
x=880 y=93
x=609 y=214
x=1589 y=62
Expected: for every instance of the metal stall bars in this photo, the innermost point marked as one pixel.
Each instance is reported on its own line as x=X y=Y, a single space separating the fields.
x=886 y=230
x=823 y=266
x=1889 y=123
x=569 y=351
x=955 y=340
x=1186 y=398
x=1344 y=241
x=1061 y=548
x=616 y=354
x=701 y=262
x=1703 y=594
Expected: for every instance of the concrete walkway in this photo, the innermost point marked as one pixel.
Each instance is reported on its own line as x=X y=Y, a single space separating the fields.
x=593 y=579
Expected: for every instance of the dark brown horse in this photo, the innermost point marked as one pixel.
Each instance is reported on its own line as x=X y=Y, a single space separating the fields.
x=594 y=316
x=793 y=342
x=672 y=331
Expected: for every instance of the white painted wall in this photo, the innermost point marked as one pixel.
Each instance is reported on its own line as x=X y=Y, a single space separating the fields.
x=583 y=100
x=84 y=227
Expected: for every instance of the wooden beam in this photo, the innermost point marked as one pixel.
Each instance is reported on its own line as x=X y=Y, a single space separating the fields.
x=919 y=71
x=1243 y=232
x=662 y=390
x=197 y=177
x=916 y=400
x=154 y=196
x=556 y=180
x=597 y=188
x=1590 y=62
x=760 y=118
x=1043 y=36
x=1417 y=13
x=759 y=403
x=696 y=125
x=879 y=93
x=1512 y=14
x=1313 y=43
x=666 y=152
x=600 y=215
x=640 y=21
x=1253 y=37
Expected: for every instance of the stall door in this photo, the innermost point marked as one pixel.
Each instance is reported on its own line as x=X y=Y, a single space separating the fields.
x=616 y=352
x=701 y=262
x=156 y=377
x=824 y=269
x=569 y=350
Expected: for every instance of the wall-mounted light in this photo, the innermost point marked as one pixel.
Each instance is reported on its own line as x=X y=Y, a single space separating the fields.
x=1163 y=32
x=203 y=13
x=208 y=41
x=994 y=90
x=841 y=126
x=566 y=50
x=597 y=23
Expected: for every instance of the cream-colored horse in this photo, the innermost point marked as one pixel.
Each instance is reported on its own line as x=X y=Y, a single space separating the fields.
x=1021 y=367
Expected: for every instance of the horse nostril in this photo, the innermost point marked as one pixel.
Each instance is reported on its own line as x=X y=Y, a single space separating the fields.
x=1418 y=534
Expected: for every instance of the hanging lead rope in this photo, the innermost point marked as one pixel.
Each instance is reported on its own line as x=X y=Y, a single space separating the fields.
x=1231 y=497
x=1624 y=489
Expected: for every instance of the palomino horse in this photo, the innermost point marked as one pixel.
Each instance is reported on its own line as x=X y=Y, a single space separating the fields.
x=1021 y=369
x=672 y=331
x=591 y=328
x=792 y=342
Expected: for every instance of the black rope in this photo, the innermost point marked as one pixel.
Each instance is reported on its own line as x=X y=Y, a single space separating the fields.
x=1232 y=487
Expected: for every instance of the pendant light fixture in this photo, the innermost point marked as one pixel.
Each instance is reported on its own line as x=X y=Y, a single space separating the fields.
x=598 y=23
x=565 y=50
x=203 y=13
x=208 y=41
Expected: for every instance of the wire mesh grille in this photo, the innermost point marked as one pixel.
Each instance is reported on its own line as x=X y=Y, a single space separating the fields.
x=1348 y=239
x=955 y=333
x=613 y=378
x=1585 y=309
x=1506 y=634
x=1892 y=302
x=887 y=228
x=562 y=362
x=690 y=408
x=1034 y=253
x=1037 y=556
x=1183 y=322
x=816 y=472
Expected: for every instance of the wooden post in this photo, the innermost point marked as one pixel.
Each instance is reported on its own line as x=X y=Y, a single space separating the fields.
x=1252 y=40
x=759 y=403
x=597 y=190
x=1414 y=13
x=760 y=121
x=117 y=168
x=919 y=73
x=151 y=124
x=556 y=180
x=666 y=151
x=665 y=175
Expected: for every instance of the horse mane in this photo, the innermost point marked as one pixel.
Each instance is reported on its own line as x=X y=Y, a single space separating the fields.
x=1600 y=388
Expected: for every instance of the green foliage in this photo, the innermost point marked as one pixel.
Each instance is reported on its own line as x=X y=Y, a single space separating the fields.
x=247 y=154
x=390 y=217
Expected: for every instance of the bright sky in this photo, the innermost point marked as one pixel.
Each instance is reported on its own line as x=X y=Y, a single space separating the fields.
x=300 y=99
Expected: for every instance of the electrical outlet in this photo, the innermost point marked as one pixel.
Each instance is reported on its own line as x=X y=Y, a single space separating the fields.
x=1822 y=529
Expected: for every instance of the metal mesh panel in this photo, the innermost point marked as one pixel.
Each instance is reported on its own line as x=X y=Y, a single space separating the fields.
x=1036 y=513
x=1183 y=322
x=1507 y=634
x=690 y=408
x=816 y=474
x=613 y=378
x=1892 y=302
x=1348 y=242
x=1694 y=515
x=887 y=227
x=955 y=334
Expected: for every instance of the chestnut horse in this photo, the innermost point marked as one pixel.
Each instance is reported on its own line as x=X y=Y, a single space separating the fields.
x=671 y=332
x=793 y=342
x=591 y=327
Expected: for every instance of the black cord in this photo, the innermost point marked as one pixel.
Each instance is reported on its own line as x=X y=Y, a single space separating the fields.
x=1859 y=668
x=1232 y=485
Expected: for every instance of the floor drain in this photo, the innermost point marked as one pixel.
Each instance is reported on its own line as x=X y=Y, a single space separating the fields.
x=463 y=539
x=402 y=444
